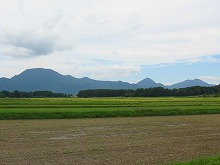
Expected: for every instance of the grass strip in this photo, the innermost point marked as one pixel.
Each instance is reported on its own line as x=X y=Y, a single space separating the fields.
x=202 y=161
x=99 y=113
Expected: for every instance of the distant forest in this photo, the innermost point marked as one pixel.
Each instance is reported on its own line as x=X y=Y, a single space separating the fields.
x=141 y=92
x=151 y=92
x=37 y=94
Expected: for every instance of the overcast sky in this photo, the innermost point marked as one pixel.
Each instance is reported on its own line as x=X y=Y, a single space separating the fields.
x=128 y=40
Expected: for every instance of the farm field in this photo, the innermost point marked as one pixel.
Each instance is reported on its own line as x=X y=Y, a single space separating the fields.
x=108 y=130
x=62 y=108
x=154 y=140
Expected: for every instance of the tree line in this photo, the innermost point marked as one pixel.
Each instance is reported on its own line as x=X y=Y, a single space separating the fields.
x=141 y=92
x=37 y=94
x=151 y=92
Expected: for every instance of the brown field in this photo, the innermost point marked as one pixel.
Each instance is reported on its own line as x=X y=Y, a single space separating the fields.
x=137 y=140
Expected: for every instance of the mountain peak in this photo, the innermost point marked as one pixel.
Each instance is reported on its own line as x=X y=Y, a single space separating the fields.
x=85 y=78
x=39 y=70
x=36 y=73
x=148 y=83
x=147 y=80
x=190 y=83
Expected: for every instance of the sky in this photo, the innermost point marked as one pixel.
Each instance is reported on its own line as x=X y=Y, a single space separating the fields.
x=166 y=40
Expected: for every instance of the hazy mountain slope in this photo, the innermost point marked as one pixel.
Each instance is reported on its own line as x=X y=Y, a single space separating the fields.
x=47 y=79
x=5 y=84
x=189 y=83
x=148 y=83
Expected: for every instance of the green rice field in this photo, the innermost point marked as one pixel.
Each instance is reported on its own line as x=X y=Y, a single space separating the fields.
x=60 y=108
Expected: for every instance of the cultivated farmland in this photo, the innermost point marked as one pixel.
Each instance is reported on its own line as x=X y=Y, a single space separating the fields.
x=105 y=107
x=136 y=140
x=79 y=131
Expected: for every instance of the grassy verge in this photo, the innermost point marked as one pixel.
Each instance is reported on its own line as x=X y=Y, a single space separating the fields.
x=202 y=161
x=105 y=107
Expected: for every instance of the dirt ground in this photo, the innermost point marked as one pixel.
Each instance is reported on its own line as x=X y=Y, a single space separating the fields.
x=137 y=140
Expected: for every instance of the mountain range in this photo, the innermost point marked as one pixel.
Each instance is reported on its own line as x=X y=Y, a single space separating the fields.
x=39 y=79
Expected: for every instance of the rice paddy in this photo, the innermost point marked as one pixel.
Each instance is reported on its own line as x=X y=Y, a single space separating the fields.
x=61 y=108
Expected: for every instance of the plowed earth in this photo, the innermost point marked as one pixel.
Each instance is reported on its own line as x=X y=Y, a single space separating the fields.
x=136 y=140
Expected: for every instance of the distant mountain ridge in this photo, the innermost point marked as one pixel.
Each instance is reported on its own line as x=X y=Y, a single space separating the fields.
x=189 y=83
x=47 y=79
x=148 y=83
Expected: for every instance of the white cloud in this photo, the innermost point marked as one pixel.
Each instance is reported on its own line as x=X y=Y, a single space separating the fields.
x=129 y=33
x=103 y=72
x=211 y=79
x=76 y=68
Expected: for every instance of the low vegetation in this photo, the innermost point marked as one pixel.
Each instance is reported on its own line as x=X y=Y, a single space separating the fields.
x=202 y=161
x=59 y=108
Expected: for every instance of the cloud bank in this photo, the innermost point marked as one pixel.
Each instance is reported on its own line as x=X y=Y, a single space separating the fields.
x=126 y=33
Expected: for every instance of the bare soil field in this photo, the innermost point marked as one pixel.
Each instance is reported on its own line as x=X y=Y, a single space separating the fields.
x=135 y=140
